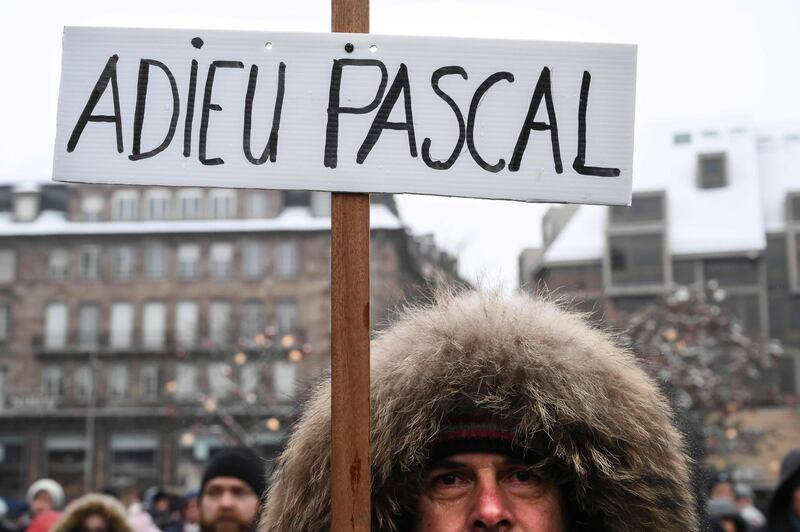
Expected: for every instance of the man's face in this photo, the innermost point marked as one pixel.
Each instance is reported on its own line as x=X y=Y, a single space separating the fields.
x=42 y=502
x=227 y=504
x=94 y=523
x=487 y=492
x=723 y=490
x=191 y=512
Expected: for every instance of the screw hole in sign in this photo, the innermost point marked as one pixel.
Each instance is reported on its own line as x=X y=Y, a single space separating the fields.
x=268 y=46
x=373 y=48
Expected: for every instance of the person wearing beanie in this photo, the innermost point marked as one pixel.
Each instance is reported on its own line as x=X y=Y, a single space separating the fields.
x=230 y=491
x=43 y=495
x=496 y=413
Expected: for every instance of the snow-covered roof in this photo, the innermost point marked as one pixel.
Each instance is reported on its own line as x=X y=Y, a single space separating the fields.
x=732 y=219
x=291 y=219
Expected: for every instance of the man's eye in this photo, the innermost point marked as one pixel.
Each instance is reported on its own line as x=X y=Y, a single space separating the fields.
x=448 y=480
x=524 y=475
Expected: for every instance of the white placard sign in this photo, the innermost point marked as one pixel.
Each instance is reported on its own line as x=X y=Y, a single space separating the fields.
x=522 y=120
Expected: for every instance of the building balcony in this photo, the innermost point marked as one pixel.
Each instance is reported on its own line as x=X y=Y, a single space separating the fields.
x=269 y=344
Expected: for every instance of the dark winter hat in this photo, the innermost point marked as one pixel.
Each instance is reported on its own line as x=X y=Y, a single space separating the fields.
x=476 y=432
x=241 y=463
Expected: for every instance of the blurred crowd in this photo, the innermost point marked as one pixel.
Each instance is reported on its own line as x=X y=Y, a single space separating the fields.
x=731 y=506
x=226 y=501
x=233 y=483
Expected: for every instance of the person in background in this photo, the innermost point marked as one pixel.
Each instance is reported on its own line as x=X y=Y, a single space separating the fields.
x=45 y=498
x=723 y=488
x=45 y=495
x=783 y=514
x=744 y=501
x=5 y=524
x=231 y=490
x=160 y=508
x=190 y=512
x=139 y=519
x=726 y=516
x=94 y=512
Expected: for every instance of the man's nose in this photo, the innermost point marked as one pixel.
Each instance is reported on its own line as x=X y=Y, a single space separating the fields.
x=491 y=510
x=227 y=499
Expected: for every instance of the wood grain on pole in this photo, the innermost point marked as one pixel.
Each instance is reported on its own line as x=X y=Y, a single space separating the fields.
x=350 y=328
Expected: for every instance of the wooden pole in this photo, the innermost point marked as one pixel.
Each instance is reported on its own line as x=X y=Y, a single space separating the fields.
x=350 y=328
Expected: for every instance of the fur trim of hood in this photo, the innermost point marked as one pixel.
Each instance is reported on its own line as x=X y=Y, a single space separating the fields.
x=93 y=504
x=607 y=426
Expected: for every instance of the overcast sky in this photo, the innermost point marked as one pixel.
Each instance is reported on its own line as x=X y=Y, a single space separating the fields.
x=695 y=58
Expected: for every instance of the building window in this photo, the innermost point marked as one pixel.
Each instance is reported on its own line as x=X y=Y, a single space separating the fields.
x=321 y=203
x=712 y=171
x=55 y=326
x=89 y=262
x=154 y=320
x=727 y=272
x=286 y=316
x=221 y=260
x=223 y=203
x=186 y=323
x=14 y=465
x=155 y=261
x=637 y=259
x=252 y=320
x=252 y=260
x=256 y=204
x=88 y=326
x=219 y=317
x=118 y=382
x=793 y=207
x=157 y=203
x=58 y=264
x=249 y=379
x=643 y=208
x=8 y=266
x=684 y=272
x=287 y=263
x=123 y=262
x=190 y=202
x=121 y=325
x=185 y=381
x=133 y=459
x=219 y=382
x=125 y=205
x=682 y=138
x=83 y=383
x=148 y=381
x=92 y=208
x=5 y=322
x=283 y=379
x=188 y=261
x=65 y=456
x=52 y=382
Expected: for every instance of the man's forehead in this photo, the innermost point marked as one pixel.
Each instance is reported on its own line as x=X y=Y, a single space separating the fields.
x=227 y=483
x=466 y=460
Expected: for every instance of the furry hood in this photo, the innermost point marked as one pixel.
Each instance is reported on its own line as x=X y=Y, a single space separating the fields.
x=93 y=504
x=544 y=370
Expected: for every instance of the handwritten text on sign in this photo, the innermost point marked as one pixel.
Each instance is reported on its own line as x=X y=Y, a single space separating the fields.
x=533 y=121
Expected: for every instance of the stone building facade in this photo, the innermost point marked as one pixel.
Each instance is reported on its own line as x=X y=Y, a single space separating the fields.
x=144 y=328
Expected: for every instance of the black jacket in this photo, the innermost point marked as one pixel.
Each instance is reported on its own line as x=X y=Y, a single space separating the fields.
x=780 y=505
